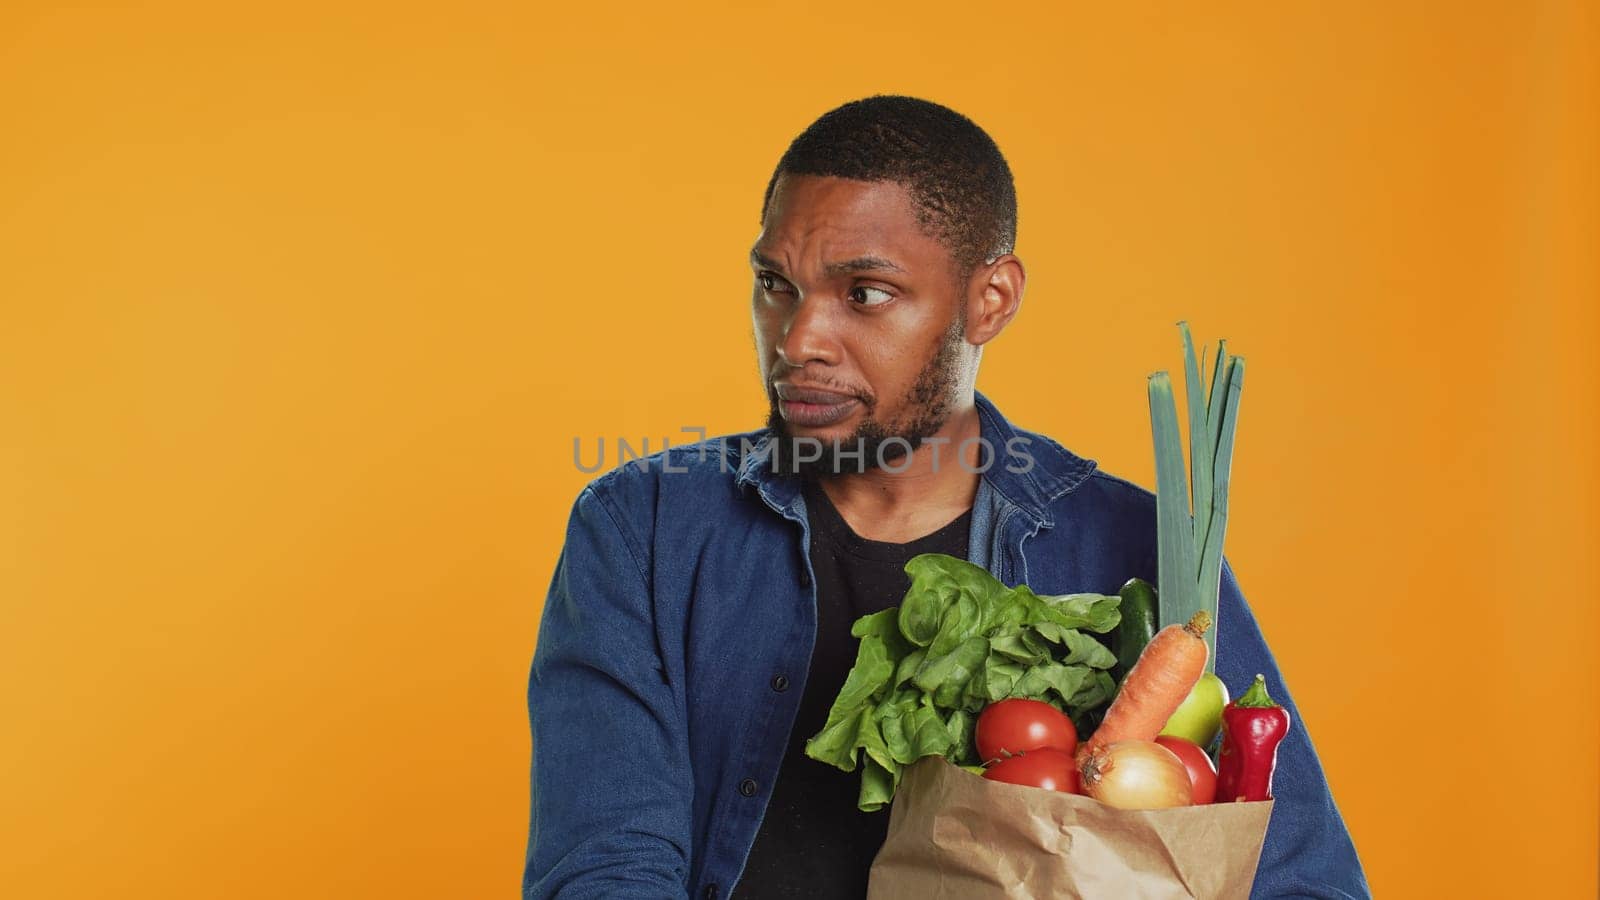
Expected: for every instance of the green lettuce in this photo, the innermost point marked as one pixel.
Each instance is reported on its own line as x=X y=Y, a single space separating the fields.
x=959 y=641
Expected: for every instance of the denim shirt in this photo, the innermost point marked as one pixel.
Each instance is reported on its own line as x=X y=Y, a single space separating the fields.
x=676 y=638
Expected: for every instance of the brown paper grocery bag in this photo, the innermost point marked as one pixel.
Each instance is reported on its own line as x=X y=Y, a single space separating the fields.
x=953 y=834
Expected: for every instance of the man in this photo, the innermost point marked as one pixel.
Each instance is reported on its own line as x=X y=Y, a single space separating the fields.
x=698 y=625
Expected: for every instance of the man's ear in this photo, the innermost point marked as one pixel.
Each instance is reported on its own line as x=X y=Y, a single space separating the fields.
x=993 y=296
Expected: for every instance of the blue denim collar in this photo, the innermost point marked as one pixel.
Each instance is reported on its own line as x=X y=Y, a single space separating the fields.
x=1054 y=471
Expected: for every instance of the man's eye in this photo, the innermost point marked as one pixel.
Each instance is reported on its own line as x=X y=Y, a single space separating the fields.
x=771 y=283
x=864 y=296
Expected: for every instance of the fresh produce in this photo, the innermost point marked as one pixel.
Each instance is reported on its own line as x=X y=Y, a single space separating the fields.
x=1002 y=682
x=1136 y=775
x=1189 y=545
x=1202 y=774
x=1252 y=728
x=1165 y=673
x=1016 y=726
x=1138 y=625
x=959 y=641
x=1053 y=770
x=1199 y=716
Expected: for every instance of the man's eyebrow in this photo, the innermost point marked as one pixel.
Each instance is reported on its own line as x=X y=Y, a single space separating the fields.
x=765 y=262
x=863 y=264
x=843 y=267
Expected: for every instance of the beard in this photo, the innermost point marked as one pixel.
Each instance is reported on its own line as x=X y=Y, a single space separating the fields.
x=875 y=444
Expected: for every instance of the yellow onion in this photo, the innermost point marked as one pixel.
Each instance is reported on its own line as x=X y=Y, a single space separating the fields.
x=1136 y=775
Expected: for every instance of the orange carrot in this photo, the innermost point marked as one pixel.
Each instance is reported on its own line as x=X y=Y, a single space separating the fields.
x=1157 y=684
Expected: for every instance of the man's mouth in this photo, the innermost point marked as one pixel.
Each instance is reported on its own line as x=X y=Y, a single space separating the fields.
x=812 y=408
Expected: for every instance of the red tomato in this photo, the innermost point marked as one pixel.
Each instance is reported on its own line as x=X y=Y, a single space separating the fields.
x=1053 y=770
x=1017 y=726
x=1202 y=774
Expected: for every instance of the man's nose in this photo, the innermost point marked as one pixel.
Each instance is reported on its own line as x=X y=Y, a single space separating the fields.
x=808 y=335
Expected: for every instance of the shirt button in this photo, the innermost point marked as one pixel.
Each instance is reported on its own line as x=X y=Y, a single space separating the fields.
x=805 y=578
x=710 y=893
x=747 y=787
x=780 y=683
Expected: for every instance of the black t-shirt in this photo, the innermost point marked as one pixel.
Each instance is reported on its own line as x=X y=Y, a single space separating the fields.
x=814 y=843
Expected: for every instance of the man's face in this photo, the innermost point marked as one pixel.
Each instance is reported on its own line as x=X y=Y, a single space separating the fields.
x=858 y=320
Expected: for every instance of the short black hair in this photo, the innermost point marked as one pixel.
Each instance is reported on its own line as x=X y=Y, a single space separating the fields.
x=953 y=170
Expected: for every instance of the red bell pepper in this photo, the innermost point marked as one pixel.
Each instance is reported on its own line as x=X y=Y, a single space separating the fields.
x=1252 y=728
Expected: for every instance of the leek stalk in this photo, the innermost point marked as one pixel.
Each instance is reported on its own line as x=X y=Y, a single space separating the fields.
x=1189 y=539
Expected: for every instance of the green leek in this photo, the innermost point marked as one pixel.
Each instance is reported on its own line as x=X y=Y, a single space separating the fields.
x=1189 y=539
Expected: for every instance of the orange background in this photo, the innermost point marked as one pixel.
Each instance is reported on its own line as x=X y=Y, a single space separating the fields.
x=302 y=307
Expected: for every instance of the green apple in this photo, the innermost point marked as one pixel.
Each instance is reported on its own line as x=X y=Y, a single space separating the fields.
x=1199 y=717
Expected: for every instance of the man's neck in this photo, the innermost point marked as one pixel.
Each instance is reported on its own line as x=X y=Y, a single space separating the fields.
x=925 y=490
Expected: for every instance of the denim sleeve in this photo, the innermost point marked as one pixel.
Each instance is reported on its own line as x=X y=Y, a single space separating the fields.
x=611 y=784
x=1308 y=852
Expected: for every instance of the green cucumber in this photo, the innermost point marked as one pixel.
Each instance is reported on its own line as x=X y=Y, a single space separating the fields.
x=1137 y=627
